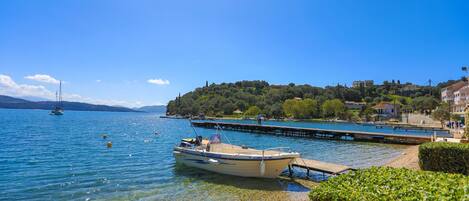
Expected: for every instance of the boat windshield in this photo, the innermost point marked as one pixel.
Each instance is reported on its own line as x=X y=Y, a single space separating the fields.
x=215 y=139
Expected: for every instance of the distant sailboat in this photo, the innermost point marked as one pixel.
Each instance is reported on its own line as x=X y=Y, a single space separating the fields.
x=58 y=108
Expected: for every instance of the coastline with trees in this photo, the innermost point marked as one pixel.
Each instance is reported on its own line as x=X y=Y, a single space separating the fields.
x=246 y=99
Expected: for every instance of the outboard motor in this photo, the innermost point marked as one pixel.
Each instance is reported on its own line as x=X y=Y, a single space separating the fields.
x=198 y=140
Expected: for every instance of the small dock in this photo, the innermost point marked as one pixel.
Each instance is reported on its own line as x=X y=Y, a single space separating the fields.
x=318 y=133
x=319 y=166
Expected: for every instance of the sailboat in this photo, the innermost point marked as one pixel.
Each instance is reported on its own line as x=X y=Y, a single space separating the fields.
x=215 y=156
x=58 y=108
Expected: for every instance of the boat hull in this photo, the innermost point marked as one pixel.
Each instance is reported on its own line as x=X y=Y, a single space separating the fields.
x=272 y=167
x=56 y=112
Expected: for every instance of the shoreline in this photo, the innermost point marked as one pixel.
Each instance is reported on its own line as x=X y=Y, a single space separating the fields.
x=408 y=159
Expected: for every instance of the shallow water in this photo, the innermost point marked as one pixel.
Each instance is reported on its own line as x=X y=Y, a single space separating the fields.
x=47 y=157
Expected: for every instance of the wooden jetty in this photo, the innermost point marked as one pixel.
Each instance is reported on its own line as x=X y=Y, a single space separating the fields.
x=319 y=166
x=317 y=133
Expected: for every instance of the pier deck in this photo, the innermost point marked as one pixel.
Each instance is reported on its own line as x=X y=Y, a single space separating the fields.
x=317 y=133
x=319 y=166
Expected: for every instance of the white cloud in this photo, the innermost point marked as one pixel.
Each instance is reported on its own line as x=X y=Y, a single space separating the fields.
x=79 y=98
x=158 y=81
x=98 y=81
x=10 y=88
x=43 y=78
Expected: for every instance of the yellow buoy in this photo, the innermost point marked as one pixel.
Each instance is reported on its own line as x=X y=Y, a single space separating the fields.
x=109 y=144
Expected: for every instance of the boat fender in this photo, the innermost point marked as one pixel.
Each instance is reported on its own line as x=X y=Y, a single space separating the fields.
x=262 y=168
x=211 y=160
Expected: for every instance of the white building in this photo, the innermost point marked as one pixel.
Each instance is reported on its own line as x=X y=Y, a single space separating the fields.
x=457 y=96
x=387 y=110
x=351 y=105
x=362 y=83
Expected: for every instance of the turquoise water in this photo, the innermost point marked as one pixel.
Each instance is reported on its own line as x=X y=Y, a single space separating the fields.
x=46 y=157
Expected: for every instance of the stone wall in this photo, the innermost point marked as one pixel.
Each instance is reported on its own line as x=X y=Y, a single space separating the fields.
x=420 y=120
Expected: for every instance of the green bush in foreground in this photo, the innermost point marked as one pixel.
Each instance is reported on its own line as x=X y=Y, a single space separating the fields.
x=445 y=157
x=385 y=183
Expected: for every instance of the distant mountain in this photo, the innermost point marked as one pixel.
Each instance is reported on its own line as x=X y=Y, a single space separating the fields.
x=34 y=98
x=152 y=109
x=17 y=103
x=9 y=99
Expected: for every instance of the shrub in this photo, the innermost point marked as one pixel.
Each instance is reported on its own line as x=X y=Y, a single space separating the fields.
x=386 y=183
x=445 y=157
x=253 y=111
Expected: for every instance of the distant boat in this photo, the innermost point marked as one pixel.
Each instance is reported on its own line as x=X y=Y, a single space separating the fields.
x=212 y=155
x=58 y=108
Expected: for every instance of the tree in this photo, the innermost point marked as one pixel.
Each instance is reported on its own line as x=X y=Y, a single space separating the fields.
x=455 y=117
x=300 y=109
x=367 y=113
x=291 y=108
x=351 y=116
x=310 y=108
x=442 y=113
x=228 y=108
x=276 y=110
x=424 y=103
x=333 y=108
x=253 y=111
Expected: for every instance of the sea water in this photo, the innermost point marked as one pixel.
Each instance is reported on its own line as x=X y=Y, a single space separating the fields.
x=46 y=157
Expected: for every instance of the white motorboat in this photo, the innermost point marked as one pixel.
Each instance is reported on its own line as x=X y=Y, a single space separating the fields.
x=212 y=155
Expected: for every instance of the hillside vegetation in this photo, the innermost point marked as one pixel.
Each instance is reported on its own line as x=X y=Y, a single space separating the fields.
x=300 y=101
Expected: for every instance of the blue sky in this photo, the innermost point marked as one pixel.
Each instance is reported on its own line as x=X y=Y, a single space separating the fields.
x=107 y=51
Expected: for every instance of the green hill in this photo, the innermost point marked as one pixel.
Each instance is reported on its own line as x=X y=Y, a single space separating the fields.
x=226 y=98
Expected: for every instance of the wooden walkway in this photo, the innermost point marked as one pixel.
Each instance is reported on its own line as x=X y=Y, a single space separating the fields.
x=317 y=133
x=319 y=166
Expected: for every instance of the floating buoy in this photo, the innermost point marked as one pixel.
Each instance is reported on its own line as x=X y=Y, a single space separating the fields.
x=104 y=136
x=109 y=144
x=156 y=133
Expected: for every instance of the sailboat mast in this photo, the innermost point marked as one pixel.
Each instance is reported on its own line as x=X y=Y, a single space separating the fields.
x=60 y=92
